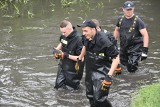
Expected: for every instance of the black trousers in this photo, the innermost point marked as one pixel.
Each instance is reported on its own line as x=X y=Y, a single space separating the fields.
x=96 y=96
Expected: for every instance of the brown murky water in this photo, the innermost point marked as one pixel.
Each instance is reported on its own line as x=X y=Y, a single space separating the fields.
x=28 y=71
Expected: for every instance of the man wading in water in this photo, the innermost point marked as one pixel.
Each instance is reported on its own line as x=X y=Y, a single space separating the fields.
x=133 y=38
x=99 y=70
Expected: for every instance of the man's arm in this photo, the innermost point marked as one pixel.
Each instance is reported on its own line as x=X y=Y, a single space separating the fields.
x=83 y=52
x=114 y=54
x=108 y=80
x=56 y=51
x=59 y=46
x=116 y=33
x=73 y=57
x=80 y=57
x=115 y=62
x=145 y=37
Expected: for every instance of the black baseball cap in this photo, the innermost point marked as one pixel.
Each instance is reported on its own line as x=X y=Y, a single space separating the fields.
x=128 y=5
x=87 y=23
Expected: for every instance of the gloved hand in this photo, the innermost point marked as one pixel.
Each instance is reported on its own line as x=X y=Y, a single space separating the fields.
x=118 y=70
x=77 y=65
x=64 y=55
x=55 y=51
x=105 y=85
x=144 y=53
x=58 y=54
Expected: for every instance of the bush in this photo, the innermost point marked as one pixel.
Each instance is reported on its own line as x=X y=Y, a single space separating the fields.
x=148 y=96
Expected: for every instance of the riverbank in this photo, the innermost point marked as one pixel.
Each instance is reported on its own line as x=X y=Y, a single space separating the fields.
x=147 y=96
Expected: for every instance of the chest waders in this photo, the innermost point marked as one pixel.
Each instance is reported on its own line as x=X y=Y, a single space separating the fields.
x=97 y=68
x=67 y=76
x=131 y=43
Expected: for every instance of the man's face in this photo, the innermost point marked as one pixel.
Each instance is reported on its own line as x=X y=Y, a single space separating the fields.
x=128 y=12
x=88 y=32
x=65 y=31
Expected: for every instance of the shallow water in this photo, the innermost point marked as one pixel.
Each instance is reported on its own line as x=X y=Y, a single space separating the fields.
x=28 y=70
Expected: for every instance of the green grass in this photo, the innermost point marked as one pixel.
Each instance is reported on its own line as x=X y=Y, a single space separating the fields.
x=148 y=96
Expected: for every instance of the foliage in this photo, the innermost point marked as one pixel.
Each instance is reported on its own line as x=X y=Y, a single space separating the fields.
x=7 y=7
x=25 y=8
x=148 y=96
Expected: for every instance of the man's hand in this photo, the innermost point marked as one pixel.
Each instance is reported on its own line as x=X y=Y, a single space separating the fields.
x=58 y=54
x=77 y=65
x=144 y=53
x=64 y=55
x=118 y=70
x=105 y=85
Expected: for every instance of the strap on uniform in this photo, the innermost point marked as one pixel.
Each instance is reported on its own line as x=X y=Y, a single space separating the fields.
x=133 y=25
x=120 y=21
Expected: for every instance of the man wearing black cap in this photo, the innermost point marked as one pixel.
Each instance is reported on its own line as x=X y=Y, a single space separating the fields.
x=134 y=37
x=99 y=69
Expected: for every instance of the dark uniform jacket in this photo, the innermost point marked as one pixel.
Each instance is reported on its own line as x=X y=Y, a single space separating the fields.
x=67 y=74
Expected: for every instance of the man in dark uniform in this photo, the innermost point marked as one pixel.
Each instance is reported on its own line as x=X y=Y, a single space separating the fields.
x=111 y=38
x=133 y=38
x=68 y=50
x=99 y=50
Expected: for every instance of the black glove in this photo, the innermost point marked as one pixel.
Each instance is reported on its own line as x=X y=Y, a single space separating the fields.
x=105 y=85
x=77 y=64
x=65 y=55
x=118 y=70
x=144 y=53
x=57 y=53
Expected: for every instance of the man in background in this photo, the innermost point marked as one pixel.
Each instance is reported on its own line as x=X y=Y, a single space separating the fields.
x=134 y=37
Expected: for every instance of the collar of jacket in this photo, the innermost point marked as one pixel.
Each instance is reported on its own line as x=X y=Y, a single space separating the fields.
x=72 y=34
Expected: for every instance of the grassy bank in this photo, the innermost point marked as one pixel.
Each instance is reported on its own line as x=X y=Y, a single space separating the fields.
x=148 y=96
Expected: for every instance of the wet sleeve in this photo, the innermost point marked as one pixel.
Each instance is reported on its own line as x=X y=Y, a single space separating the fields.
x=104 y=42
x=109 y=48
x=111 y=37
x=79 y=46
x=112 y=51
x=141 y=24
x=60 y=38
x=84 y=41
x=117 y=22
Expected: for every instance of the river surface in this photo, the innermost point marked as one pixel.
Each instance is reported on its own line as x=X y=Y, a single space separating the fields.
x=28 y=70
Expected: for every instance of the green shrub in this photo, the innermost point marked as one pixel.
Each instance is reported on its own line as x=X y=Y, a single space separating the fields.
x=148 y=96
